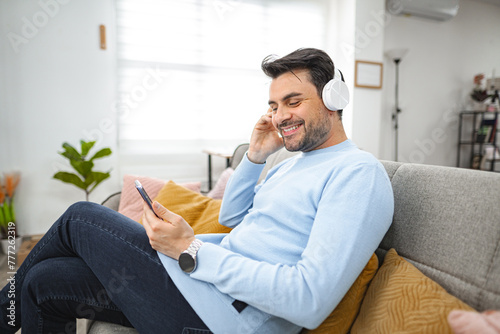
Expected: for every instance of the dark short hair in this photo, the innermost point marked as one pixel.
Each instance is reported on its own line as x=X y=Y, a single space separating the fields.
x=317 y=62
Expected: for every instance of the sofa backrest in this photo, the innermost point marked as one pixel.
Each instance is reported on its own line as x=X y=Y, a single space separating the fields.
x=271 y=161
x=446 y=223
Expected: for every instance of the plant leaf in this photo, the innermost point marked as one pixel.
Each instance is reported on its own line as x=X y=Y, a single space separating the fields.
x=98 y=178
x=70 y=178
x=82 y=167
x=71 y=153
x=89 y=179
x=3 y=220
x=102 y=153
x=86 y=146
x=12 y=210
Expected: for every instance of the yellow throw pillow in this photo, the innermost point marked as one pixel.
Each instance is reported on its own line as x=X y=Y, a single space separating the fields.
x=341 y=319
x=201 y=212
x=401 y=299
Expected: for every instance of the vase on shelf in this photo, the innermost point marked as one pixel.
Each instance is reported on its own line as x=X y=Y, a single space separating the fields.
x=11 y=245
x=478 y=106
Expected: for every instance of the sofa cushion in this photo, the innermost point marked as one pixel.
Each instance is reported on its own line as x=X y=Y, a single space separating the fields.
x=446 y=223
x=101 y=327
x=401 y=299
x=201 y=212
x=131 y=202
x=220 y=186
x=391 y=167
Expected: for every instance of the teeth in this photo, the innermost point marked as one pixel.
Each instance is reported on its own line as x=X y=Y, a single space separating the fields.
x=290 y=129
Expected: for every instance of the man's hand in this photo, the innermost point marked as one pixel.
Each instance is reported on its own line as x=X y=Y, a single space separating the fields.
x=170 y=236
x=265 y=139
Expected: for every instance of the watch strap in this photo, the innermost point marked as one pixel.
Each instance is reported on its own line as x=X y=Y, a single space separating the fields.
x=194 y=247
x=187 y=259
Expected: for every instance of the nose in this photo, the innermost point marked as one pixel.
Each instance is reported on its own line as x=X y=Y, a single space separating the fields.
x=281 y=115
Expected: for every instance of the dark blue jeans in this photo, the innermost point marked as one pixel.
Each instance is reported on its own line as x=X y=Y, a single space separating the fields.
x=94 y=263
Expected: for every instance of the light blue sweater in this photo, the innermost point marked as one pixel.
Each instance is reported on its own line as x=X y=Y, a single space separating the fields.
x=300 y=240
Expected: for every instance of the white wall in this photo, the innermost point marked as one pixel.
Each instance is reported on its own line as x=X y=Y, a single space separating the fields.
x=56 y=85
x=436 y=77
x=340 y=42
x=369 y=46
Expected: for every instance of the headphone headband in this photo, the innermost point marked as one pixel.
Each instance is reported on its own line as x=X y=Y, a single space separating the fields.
x=338 y=75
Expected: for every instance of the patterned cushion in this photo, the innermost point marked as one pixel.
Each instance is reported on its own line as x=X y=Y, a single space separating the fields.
x=401 y=299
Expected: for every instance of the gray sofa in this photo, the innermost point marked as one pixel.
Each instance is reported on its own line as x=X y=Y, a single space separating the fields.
x=446 y=223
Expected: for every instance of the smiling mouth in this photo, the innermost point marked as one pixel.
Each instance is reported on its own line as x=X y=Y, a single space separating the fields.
x=289 y=130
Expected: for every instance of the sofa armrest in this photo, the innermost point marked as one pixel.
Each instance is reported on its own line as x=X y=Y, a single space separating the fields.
x=238 y=155
x=113 y=201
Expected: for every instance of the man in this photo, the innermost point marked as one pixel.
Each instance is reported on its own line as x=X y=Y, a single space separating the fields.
x=299 y=241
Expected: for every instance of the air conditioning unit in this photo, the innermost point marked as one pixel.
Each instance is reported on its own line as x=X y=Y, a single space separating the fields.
x=440 y=10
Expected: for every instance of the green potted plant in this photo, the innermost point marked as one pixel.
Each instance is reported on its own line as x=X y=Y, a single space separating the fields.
x=84 y=178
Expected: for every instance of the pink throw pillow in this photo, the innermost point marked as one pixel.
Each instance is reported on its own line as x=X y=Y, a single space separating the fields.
x=131 y=201
x=467 y=322
x=218 y=191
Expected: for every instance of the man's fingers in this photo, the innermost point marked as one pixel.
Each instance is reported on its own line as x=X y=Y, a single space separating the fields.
x=166 y=214
x=145 y=221
x=150 y=220
x=161 y=211
x=268 y=116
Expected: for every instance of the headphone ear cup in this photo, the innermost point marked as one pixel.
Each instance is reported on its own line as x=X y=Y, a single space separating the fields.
x=335 y=94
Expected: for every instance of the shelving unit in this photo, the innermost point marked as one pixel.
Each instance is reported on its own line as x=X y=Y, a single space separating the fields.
x=477 y=140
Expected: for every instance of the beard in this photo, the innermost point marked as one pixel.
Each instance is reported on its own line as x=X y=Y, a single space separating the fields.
x=311 y=135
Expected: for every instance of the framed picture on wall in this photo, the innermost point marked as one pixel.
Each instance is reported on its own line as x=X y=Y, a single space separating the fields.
x=368 y=74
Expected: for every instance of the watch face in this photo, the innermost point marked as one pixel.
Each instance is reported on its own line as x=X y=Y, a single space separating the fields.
x=186 y=262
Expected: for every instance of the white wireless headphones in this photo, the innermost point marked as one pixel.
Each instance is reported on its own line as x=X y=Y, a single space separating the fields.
x=335 y=93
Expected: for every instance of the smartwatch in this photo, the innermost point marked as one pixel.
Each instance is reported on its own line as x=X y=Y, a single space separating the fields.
x=187 y=259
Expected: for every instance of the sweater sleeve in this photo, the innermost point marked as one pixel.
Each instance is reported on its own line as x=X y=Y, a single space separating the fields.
x=239 y=193
x=353 y=214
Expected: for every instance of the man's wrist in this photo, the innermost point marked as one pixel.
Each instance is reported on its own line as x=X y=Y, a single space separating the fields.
x=256 y=158
x=187 y=259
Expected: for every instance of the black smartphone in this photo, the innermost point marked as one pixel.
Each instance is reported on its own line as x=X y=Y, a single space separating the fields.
x=145 y=196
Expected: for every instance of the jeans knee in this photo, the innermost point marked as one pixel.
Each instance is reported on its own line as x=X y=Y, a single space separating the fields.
x=81 y=206
x=82 y=210
x=49 y=277
x=34 y=281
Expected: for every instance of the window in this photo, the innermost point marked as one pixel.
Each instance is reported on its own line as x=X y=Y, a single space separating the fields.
x=189 y=70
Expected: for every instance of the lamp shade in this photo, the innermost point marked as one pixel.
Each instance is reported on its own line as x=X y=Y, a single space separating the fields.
x=396 y=54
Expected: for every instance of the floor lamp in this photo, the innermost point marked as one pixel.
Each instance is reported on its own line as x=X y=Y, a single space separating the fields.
x=396 y=55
